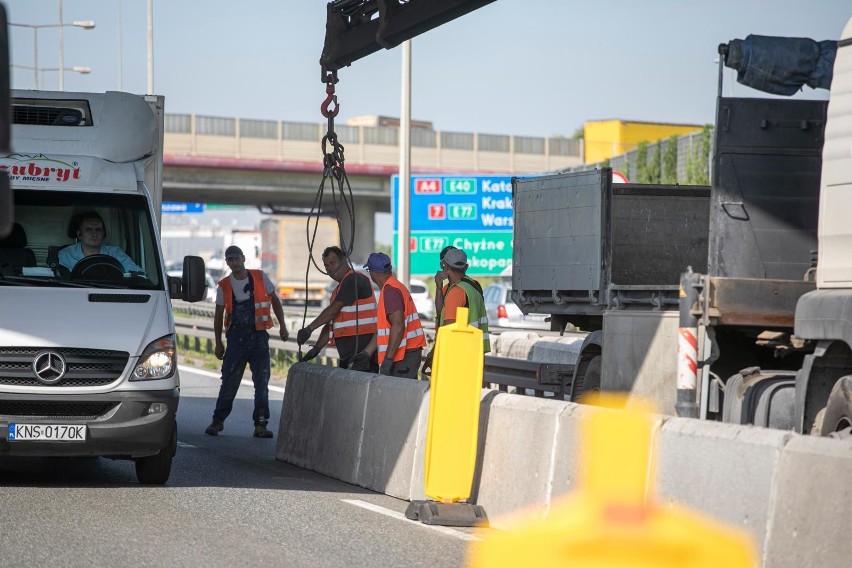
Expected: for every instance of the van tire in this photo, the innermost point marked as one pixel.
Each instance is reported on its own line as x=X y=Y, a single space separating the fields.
x=837 y=420
x=155 y=470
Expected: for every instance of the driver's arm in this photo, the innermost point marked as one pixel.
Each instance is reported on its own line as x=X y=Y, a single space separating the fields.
x=67 y=256
x=121 y=256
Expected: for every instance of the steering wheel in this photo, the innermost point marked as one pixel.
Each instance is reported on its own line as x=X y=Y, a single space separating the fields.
x=98 y=267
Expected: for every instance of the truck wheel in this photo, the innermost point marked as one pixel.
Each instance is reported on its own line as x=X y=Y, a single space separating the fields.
x=591 y=379
x=837 y=420
x=155 y=470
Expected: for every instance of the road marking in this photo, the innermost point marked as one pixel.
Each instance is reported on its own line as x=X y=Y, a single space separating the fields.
x=401 y=517
x=219 y=375
x=185 y=445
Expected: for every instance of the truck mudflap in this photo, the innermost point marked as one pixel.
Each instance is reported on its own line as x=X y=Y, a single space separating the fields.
x=122 y=425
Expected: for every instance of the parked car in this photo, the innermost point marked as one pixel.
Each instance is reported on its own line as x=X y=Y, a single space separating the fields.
x=422 y=299
x=502 y=311
x=419 y=293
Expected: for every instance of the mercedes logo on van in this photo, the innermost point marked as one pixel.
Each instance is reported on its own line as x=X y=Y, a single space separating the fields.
x=49 y=367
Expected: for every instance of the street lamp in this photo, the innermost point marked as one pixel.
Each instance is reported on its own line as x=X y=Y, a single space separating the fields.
x=76 y=69
x=85 y=24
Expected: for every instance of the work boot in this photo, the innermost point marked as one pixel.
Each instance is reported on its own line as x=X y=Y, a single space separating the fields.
x=260 y=431
x=215 y=427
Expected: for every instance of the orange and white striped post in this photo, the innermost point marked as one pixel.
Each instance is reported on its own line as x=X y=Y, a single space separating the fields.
x=687 y=347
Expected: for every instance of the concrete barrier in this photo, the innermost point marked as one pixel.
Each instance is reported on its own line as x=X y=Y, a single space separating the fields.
x=723 y=470
x=789 y=491
x=812 y=500
x=301 y=415
x=358 y=427
x=520 y=443
x=564 y=350
x=515 y=344
x=342 y=424
x=392 y=448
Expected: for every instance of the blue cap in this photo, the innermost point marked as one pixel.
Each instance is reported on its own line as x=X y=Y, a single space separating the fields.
x=378 y=262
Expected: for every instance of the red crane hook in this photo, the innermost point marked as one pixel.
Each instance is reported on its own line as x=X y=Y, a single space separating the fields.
x=325 y=107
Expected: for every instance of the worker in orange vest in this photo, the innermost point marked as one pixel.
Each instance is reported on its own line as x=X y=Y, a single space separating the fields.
x=244 y=302
x=399 y=336
x=349 y=321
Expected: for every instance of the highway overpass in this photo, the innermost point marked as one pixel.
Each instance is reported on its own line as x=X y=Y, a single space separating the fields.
x=255 y=162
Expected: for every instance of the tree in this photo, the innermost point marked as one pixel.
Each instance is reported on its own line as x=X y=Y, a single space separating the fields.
x=656 y=165
x=698 y=160
x=669 y=174
x=642 y=163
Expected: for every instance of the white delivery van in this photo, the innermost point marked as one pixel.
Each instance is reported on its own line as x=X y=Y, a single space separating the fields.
x=88 y=363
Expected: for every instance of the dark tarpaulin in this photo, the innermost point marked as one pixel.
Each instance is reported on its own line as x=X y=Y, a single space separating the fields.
x=782 y=65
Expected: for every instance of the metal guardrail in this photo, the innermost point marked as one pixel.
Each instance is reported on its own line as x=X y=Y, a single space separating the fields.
x=540 y=378
x=526 y=377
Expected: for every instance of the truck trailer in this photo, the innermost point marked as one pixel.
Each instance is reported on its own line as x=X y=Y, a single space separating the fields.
x=290 y=263
x=693 y=302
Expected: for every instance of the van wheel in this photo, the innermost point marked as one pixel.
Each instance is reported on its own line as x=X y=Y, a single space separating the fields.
x=837 y=420
x=591 y=380
x=155 y=470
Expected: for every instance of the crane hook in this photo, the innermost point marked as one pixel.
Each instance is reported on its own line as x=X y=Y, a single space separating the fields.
x=325 y=107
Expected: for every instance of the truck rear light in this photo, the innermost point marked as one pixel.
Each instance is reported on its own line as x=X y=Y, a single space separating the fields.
x=501 y=311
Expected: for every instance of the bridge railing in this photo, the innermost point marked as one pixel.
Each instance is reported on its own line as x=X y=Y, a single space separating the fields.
x=197 y=135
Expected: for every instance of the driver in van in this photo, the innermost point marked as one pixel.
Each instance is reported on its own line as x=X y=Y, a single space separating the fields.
x=90 y=238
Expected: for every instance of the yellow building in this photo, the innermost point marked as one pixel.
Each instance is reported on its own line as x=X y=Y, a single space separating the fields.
x=607 y=138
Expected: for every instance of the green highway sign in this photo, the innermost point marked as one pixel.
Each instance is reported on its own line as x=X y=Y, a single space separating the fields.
x=462 y=211
x=457 y=186
x=431 y=243
x=489 y=253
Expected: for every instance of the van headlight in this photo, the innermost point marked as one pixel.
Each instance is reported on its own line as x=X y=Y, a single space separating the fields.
x=158 y=360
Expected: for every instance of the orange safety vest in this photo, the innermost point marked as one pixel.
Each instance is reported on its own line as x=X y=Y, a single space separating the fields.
x=412 y=337
x=262 y=302
x=361 y=315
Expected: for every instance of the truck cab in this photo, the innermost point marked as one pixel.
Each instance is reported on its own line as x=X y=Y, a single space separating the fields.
x=823 y=401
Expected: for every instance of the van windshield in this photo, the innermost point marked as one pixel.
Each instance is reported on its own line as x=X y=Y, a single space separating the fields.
x=81 y=239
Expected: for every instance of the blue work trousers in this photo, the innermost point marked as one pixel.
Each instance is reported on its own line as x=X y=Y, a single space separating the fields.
x=245 y=346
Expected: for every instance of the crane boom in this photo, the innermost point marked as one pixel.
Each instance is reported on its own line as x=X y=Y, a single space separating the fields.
x=357 y=28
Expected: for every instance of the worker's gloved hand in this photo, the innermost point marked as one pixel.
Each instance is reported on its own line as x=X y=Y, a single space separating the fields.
x=426 y=369
x=385 y=368
x=303 y=335
x=312 y=352
x=361 y=361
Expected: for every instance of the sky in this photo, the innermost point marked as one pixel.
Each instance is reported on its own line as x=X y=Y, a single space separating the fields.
x=519 y=67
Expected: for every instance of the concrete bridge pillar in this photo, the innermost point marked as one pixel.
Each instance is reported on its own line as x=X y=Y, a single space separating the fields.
x=365 y=224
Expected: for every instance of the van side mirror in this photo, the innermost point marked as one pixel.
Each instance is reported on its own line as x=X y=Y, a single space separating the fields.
x=193 y=284
x=175 y=287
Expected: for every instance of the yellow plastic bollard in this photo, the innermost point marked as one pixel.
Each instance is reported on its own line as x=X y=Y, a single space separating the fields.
x=455 y=392
x=453 y=427
x=611 y=521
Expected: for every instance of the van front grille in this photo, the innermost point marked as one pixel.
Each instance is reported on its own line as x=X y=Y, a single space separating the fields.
x=83 y=367
x=16 y=409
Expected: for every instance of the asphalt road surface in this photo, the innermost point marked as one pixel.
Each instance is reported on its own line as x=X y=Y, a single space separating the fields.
x=228 y=502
